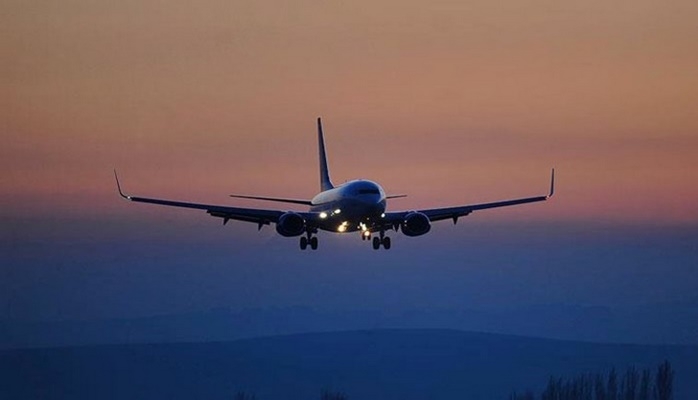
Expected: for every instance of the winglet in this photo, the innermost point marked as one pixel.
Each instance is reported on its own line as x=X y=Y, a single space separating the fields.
x=552 y=183
x=118 y=186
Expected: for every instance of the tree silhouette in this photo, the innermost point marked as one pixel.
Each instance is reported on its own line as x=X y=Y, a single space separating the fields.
x=244 y=396
x=527 y=395
x=599 y=387
x=628 y=389
x=612 y=385
x=634 y=385
x=329 y=395
x=664 y=382
x=644 y=392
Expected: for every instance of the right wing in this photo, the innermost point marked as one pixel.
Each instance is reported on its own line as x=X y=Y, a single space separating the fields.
x=259 y=216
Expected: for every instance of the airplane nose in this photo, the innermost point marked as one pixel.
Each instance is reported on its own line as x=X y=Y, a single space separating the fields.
x=376 y=205
x=371 y=200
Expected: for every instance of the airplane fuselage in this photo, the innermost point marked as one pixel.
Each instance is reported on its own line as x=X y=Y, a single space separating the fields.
x=352 y=206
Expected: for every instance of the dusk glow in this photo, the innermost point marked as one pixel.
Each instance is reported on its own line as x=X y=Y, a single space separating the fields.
x=450 y=103
x=470 y=102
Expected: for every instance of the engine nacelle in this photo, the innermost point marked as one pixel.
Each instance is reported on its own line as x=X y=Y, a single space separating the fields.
x=415 y=224
x=290 y=224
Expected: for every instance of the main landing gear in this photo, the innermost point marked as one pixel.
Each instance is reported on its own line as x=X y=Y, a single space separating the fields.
x=382 y=240
x=309 y=239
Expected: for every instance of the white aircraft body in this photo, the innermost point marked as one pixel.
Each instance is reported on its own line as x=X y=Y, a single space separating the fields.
x=355 y=206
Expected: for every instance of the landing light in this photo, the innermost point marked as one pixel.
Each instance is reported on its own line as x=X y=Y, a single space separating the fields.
x=337 y=211
x=323 y=215
x=343 y=227
x=383 y=215
x=367 y=233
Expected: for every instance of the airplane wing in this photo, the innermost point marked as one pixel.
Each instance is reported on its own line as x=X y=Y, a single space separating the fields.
x=259 y=216
x=277 y=199
x=438 y=214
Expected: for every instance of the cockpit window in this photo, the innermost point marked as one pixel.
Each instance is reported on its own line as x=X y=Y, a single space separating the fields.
x=368 y=191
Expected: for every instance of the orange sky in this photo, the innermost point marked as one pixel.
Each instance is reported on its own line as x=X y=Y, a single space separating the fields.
x=449 y=102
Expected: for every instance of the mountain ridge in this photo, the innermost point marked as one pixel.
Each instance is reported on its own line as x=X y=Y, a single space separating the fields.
x=639 y=324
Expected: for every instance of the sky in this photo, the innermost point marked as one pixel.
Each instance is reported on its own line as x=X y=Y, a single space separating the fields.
x=448 y=102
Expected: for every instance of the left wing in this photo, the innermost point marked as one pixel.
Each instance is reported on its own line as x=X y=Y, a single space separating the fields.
x=438 y=214
x=277 y=199
x=259 y=216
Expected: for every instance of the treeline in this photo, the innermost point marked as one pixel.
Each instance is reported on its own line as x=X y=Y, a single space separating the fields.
x=632 y=385
x=326 y=395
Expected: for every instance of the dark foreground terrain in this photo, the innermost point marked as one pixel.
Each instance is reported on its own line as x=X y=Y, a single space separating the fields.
x=383 y=364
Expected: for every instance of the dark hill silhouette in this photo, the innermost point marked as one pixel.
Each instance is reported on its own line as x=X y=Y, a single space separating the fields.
x=383 y=364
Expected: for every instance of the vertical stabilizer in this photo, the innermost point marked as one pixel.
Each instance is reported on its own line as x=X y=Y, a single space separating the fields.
x=325 y=183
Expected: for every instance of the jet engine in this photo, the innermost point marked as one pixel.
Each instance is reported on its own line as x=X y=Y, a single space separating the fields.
x=415 y=224
x=290 y=224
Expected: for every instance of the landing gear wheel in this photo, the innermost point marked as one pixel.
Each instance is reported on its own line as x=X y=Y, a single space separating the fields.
x=304 y=243
x=386 y=243
x=376 y=243
x=313 y=243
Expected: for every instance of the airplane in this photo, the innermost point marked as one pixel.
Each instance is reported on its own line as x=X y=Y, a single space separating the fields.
x=354 y=206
